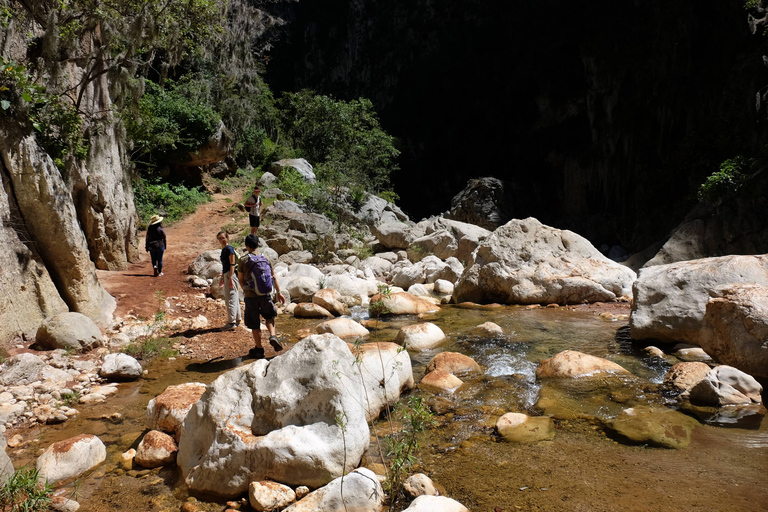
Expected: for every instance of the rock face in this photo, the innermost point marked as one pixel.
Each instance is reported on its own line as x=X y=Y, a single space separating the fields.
x=482 y=202
x=526 y=262
x=46 y=213
x=70 y=331
x=670 y=300
x=71 y=457
x=736 y=328
x=277 y=420
x=570 y=363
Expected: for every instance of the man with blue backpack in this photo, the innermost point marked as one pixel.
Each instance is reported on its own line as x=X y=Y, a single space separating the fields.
x=258 y=280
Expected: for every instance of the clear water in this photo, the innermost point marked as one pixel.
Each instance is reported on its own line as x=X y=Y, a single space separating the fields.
x=583 y=468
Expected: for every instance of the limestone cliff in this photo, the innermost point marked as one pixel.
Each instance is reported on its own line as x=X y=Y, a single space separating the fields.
x=59 y=224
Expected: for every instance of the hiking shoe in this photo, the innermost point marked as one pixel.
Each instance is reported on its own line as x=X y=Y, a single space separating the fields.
x=275 y=343
x=229 y=327
x=256 y=353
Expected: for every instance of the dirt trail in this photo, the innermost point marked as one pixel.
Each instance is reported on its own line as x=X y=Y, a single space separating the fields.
x=140 y=294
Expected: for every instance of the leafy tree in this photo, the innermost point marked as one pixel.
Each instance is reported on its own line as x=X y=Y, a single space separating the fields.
x=169 y=124
x=344 y=139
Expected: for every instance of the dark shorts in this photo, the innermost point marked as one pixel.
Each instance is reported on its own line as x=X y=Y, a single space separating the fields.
x=254 y=221
x=255 y=306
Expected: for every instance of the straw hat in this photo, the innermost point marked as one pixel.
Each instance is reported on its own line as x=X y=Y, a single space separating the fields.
x=156 y=219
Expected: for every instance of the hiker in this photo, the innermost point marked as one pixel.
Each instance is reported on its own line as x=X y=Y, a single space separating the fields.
x=253 y=207
x=229 y=282
x=258 y=280
x=155 y=243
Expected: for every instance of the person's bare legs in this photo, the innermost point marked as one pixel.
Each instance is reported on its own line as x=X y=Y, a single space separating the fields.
x=270 y=323
x=257 y=335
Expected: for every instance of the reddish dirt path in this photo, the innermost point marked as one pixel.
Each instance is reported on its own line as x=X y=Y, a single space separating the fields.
x=140 y=294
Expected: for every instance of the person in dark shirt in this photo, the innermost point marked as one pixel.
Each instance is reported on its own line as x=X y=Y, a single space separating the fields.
x=253 y=207
x=229 y=282
x=155 y=243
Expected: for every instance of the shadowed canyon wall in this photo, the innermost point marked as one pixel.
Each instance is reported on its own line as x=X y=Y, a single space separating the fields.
x=602 y=117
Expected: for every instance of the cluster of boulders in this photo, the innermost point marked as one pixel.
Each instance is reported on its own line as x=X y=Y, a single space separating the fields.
x=286 y=431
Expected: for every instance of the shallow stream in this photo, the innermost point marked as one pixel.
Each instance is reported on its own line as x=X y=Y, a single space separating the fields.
x=583 y=468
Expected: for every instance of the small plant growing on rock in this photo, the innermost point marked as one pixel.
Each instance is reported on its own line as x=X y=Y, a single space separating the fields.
x=404 y=446
x=71 y=398
x=377 y=308
x=24 y=492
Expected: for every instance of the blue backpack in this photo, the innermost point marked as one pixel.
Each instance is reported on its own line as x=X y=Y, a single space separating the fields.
x=258 y=275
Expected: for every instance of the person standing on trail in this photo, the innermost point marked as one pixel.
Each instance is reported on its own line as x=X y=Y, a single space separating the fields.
x=155 y=243
x=229 y=282
x=258 y=281
x=253 y=207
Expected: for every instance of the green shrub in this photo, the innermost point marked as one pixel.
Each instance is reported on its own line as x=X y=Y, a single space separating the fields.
x=727 y=179
x=293 y=183
x=169 y=125
x=172 y=202
x=24 y=492
x=343 y=139
x=151 y=348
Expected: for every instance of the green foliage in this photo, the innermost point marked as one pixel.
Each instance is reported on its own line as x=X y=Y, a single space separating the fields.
x=56 y=121
x=24 y=492
x=172 y=202
x=344 y=139
x=170 y=125
x=378 y=307
x=728 y=179
x=403 y=447
x=71 y=398
x=293 y=183
x=151 y=348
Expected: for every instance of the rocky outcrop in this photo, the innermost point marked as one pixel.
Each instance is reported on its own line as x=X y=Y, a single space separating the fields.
x=47 y=215
x=300 y=165
x=277 y=420
x=670 y=300
x=526 y=262
x=482 y=202
x=735 y=327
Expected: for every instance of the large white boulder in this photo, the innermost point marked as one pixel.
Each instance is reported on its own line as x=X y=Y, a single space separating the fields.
x=300 y=288
x=297 y=419
x=402 y=303
x=71 y=458
x=207 y=265
x=21 y=369
x=526 y=262
x=386 y=372
x=735 y=327
x=670 y=300
x=422 y=336
x=70 y=331
x=343 y=328
x=393 y=235
x=353 y=287
x=118 y=366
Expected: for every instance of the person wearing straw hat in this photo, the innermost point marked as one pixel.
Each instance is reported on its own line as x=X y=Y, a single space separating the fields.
x=155 y=243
